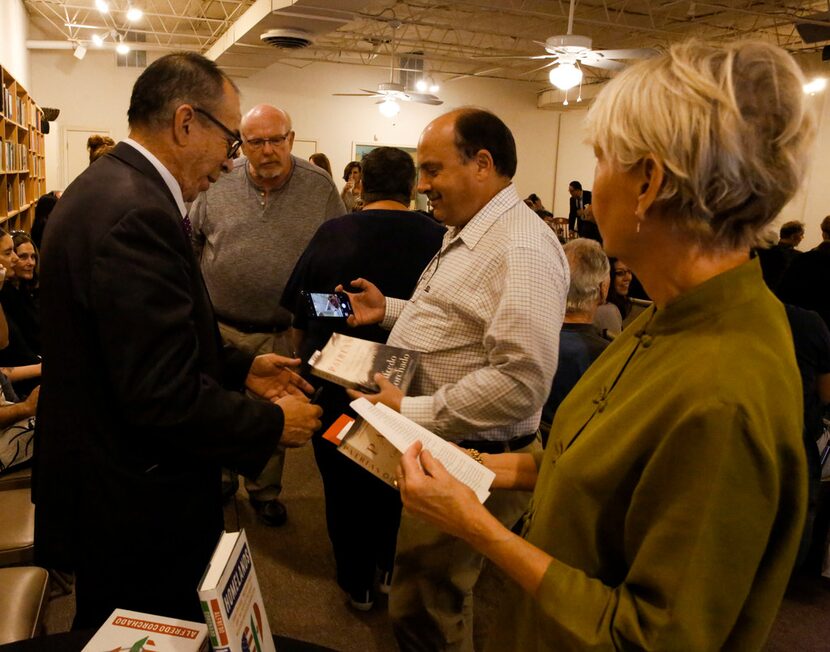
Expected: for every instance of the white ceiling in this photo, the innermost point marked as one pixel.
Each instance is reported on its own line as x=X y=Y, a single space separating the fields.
x=456 y=39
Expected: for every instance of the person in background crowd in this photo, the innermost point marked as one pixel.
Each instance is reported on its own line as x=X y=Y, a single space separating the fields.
x=20 y=362
x=807 y=278
x=579 y=200
x=387 y=242
x=321 y=161
x=43 y=208
x=140 y=404
x=775 y=259
x=20 y=295
x=249 y=229
x=618 y=291
x=675 y=467
x=580 y=343
x=98 y=146
x=485 y=314
x=352 y=190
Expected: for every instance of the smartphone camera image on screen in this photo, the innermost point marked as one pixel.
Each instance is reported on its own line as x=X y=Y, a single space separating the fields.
x=327 y=305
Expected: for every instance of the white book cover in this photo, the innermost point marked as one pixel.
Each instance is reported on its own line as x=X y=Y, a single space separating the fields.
x=402 y=433
x=132 y=631
x=231 y=599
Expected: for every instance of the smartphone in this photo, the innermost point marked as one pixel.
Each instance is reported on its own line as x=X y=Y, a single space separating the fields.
x=327 y=305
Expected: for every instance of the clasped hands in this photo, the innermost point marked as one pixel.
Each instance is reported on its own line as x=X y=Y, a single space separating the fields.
x=272 y=377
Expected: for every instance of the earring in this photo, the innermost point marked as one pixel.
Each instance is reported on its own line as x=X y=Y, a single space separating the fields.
x=638 y=226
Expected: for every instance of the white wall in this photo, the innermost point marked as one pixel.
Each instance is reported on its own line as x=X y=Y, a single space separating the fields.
x=810 y=205
x=14 y=26
x=94 y=94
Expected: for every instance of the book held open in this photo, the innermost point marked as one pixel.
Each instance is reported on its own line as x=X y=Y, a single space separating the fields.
x=379 y=451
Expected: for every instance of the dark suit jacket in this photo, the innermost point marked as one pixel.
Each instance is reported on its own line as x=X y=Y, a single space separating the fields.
x=136 y=414
x=574 y=221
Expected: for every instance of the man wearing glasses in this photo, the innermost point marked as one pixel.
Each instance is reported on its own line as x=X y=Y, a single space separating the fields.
x=249 y=230
x=140 y=406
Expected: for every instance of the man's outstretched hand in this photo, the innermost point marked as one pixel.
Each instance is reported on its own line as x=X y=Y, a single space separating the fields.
x=271 y=376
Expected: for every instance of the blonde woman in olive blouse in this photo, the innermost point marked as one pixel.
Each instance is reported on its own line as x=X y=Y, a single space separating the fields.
x=669 y=503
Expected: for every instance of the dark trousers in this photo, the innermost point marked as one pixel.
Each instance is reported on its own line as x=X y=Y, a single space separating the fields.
x=362 y=514
x=159 y=582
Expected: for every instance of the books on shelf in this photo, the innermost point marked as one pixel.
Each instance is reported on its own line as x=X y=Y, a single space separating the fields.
x=15 y=157
x=231 y=599
x=352 y=362
x=138 y=632
x=378 y=441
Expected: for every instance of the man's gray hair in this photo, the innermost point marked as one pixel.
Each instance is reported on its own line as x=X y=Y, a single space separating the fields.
x=589 y=268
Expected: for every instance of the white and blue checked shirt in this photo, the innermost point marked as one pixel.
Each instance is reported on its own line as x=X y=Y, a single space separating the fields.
x=486 y=314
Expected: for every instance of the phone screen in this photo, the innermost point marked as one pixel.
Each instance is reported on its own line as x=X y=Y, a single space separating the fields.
x=328 y=304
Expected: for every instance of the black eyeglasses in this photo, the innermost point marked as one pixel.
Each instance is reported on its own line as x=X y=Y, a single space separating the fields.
x=275 y=141
x=234 y=141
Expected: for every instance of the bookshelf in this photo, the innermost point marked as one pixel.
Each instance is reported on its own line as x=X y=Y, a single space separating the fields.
x=22 y=160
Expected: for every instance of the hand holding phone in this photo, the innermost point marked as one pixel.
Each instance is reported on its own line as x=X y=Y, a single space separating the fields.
x=327 y=305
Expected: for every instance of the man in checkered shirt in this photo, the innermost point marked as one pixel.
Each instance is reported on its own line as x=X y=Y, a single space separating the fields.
x=486 y=314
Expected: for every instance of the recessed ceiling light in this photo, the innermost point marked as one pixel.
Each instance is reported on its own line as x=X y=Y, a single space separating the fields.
x=102 y=6
x=122 y=48
x=134 y=14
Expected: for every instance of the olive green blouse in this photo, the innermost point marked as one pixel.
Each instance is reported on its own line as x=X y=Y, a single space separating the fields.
x=673 y=490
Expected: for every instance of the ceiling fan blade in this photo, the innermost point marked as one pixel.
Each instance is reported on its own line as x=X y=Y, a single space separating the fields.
x=605 y=64
x=354 y=94
x=514 y=56
x=547 y=65
x=637 y=53
x=423 y=98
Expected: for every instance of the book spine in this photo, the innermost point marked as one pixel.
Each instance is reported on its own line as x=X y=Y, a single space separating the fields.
x=217 y=621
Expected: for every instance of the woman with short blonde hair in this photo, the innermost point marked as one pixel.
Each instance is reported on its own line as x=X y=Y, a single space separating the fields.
x=670 y=499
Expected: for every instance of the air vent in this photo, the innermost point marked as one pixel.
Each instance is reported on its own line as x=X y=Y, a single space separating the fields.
x=286 y=39
x=812 y=32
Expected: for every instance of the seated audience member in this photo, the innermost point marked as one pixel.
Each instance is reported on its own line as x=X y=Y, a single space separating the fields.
x=670 y=500
x=618 y=291
x=321 y=161
x=807 y=278
x=580 y=343
x=391 y=245
x=17 y=426
x=43 y=208
x=19 y=294
x=98 y=146
x=18 y=353
x=352 y=190
x=535 y=204
x=608 y=320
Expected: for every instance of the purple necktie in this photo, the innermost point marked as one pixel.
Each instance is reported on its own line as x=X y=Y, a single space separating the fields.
x=187 y=227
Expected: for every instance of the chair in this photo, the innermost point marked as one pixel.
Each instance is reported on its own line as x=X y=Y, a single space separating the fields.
x=17 y=536
x=560 y=227
x=24 y=593
x=21 y=479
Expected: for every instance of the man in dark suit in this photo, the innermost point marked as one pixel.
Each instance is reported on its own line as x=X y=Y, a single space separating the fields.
x=580 y=216
x=140 y=404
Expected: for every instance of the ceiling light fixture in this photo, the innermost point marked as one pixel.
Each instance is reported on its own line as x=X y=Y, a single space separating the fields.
x=122 y=48
x=421 y=85
x=815 y=86
x=565 y=76
x=102 y=6
x=98 y=40
x=389 y=108
x=80 y=52
x=134 y=14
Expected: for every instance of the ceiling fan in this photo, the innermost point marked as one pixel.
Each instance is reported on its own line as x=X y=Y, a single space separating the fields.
x=568 y=52
x=392 y=92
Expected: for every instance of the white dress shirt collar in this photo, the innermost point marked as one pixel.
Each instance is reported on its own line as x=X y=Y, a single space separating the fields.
x=169 y=179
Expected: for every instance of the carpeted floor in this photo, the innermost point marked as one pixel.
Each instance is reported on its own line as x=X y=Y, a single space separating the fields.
x=296 y=573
